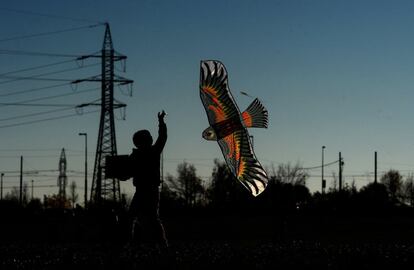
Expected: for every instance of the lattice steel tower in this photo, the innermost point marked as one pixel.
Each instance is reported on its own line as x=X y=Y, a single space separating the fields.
x=104 y=189
x=62 y=179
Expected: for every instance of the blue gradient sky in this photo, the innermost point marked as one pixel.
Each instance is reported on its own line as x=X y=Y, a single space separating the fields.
x=334 y=73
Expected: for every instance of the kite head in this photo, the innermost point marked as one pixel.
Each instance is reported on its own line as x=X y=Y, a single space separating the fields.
x=142 y=139
x=209 y=134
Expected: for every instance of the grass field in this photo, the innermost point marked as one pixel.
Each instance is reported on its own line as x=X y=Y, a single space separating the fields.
x=206 y=243
x=207 y=255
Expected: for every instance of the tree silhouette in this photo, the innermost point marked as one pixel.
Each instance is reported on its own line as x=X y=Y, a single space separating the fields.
x=334 y=185
x=188 y=186
x=14 y=194
x=289 y=174
x=373 y=196
x=56 y=201
x=286 y=190
x=225 y=190
x=408 y=189
x=393 y=183
x=73 y=194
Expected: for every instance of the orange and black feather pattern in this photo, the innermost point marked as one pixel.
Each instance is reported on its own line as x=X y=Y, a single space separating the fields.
x=232 y=136
x=256 y=115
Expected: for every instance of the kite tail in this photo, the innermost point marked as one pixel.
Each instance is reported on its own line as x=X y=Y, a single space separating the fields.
x=256 y=115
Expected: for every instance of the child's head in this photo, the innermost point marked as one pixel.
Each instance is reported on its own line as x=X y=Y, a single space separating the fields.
x=142 y=139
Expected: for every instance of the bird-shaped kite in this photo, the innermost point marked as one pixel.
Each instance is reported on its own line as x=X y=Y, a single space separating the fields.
x=229 y=127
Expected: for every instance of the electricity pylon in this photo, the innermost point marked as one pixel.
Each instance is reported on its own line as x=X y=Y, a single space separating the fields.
x=62 y=179
x=104 y=189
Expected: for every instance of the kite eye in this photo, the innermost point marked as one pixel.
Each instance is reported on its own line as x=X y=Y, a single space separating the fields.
x=212 y=135
x=209 y=135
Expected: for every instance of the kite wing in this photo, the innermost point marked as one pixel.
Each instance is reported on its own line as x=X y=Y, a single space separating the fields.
x=225 y=118
x=241 y=160
x=215 y=94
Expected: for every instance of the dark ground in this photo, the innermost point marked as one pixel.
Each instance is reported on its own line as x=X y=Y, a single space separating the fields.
x=204 y=242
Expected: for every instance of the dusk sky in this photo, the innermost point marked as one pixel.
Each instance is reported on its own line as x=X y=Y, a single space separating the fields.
x=333 y=73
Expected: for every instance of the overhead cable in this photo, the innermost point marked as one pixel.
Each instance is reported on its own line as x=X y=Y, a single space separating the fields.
x=55 y=96
x=37 y=76
x=53 y=16
x=34 y=89
x=49 y=33
x=46 y=119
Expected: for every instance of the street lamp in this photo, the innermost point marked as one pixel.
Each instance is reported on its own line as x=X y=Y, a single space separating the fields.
x=323 y=180
x=86 y=167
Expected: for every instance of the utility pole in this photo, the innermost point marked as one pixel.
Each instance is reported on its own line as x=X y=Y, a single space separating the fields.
x=32 y=188
x=21 y=181
x=104 y=189
x=375 y=167
x=86 y=167
x=340 y=171
x=1 y=187
x=323 y=180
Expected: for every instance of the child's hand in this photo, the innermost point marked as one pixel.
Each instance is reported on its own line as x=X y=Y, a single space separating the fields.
x=161 y=116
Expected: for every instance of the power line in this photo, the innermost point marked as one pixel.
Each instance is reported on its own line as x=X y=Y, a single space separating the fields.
x=34 y=186
x=37 y=105
x=346 y=175
x=184 y=159
x=34 y=89
x=34 y=149
x=43 y=178
x=40 y=150
x=56 y=96
x=34 y=114
x=43 y=79
x=320 y=166
x=40 y=156
x=36 y=77
x=50 y=33
x=32 y=171
x=31 y=53
x=36 y=67
x=46 y=119
x=48 y=15
x=48 y=177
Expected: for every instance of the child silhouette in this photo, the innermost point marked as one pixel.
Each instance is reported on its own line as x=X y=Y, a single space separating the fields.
x=145 y=169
